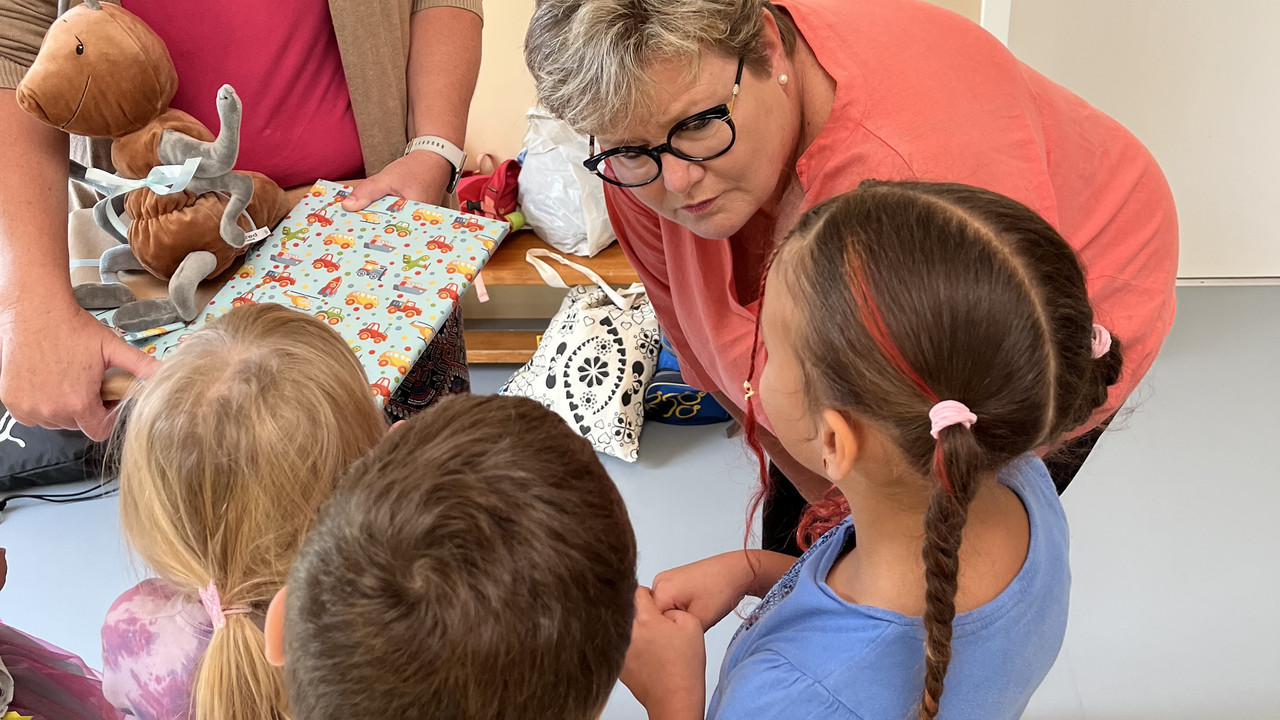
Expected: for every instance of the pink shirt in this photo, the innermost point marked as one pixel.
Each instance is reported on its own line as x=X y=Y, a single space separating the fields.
x=152 y=643
x=282 y=58
x=924 y=94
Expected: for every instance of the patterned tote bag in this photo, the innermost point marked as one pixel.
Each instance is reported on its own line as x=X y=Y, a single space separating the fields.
x=595 y=361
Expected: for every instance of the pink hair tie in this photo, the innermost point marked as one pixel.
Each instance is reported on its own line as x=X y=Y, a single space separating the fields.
x=213 y=606
x=1101 y=341
x=948 y=413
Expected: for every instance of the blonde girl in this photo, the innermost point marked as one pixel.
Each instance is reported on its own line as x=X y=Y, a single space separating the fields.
x=226 y=454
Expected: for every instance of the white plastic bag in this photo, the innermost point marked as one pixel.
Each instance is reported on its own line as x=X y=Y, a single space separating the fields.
x=561 y=200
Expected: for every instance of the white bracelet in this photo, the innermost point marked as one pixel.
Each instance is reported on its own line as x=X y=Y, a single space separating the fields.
x=445 y=149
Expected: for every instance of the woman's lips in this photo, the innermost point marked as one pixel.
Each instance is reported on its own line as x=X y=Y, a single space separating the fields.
x=699 y=208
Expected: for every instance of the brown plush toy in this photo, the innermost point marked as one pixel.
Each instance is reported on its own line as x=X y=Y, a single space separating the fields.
x=102 y=72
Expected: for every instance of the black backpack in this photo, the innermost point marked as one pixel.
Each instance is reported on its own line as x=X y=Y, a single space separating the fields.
x=35 y=457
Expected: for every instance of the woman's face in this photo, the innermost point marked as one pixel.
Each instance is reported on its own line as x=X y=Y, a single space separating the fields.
x=717 y=197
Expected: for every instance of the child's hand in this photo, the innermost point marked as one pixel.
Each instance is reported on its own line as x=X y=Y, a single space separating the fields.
x=710 y=589
x=667 y=662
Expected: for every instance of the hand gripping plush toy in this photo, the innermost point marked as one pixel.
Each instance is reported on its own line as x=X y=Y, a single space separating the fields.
x=104 y=73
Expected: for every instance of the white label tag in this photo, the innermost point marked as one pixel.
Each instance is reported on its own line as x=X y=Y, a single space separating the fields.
x=256 y=235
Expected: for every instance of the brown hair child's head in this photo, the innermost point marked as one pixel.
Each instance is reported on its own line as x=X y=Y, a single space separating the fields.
x=479 y=563
x=903 y=295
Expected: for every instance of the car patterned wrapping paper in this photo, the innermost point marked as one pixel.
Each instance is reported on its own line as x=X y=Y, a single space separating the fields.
x=386 y=278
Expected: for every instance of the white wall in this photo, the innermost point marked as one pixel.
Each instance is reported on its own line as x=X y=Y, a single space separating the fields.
x=505 y=89
x=1199 y=83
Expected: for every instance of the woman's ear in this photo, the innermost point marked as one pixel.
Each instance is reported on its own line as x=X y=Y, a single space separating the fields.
x=274 y=629
x=841 y=444
x=779 y=61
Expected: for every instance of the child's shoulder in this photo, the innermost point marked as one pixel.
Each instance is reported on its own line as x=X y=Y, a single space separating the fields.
x=147 y=597
x=154 y=602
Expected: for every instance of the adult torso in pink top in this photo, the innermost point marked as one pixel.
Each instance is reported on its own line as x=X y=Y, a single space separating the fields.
x=924 y=94
x=282 y=59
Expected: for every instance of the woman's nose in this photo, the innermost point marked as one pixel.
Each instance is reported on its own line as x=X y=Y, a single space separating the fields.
x=680 y=175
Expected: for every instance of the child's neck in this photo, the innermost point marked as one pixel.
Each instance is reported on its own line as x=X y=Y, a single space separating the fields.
x=885 y=568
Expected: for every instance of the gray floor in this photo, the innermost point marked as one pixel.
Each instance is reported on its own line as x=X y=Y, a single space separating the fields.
x=1173 y=534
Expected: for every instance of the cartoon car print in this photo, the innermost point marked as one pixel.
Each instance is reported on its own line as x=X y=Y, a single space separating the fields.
x=300 y=301
x=408 y=286
x=342 y=240
x=440 y=243
x=371 y=270
x=331 y=288
x=379 y=246
x=373 y=331
x=427 y=216
x=330 y=315
x=326 y=262
x=467 y=222
x=382 y=388
x=319 y=217
x=489 y=240
x=243 y=299
x=341 y=194
x=396 y=206
x=399 y=361
x=150 y=349
x=245 y=271
x=467 y=270
x=285 y=258
x=426 y=331
x=399 y=227
x=408 y=307
x=283 y=278
x=363 y=299
x=449 y=292
x=416 y=262
x=317 y=191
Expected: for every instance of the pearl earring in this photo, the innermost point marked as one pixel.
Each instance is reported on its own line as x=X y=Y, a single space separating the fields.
x=783 y=79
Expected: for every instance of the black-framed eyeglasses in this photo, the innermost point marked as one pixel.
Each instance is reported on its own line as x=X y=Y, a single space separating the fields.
x=697 y=138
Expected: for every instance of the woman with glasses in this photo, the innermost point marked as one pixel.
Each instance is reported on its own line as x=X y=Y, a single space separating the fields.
x=715 y=123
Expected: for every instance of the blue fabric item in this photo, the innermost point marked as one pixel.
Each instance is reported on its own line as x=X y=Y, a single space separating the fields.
x=670 y=400
x=807 y=653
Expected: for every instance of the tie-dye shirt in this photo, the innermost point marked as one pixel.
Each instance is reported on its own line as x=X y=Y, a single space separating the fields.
x=152 y=643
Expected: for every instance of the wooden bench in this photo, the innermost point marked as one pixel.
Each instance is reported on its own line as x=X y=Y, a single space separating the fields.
x=507 y=267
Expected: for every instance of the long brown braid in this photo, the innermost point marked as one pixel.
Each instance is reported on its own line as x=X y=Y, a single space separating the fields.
x=912 y=293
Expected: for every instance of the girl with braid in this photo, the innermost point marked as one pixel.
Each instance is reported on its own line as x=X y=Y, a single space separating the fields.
x=923 y=344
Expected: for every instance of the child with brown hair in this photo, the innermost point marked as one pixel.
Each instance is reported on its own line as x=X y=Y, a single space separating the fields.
x=924 y=341
x=477 y=565
x=228 y=452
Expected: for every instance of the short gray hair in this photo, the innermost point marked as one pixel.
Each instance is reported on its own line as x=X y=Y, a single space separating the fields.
x=592 y=59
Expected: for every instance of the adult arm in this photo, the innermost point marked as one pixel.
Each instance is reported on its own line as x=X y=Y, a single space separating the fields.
x=52 y=353
x=444 y=62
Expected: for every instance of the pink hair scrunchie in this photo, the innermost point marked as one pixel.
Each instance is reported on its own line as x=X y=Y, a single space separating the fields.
x=1101 y=341
x=948 y=413
x=213 y=605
